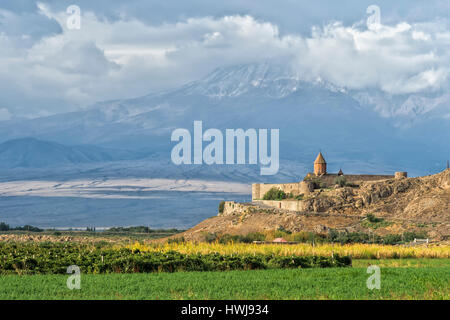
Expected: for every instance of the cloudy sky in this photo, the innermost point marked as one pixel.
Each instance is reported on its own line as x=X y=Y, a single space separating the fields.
x=130 y=48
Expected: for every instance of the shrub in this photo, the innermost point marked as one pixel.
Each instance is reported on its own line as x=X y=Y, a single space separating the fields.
x=392 y=239
x=372 y=218
x=176 y=240
x=275 y=194
x=317 y=184
x=361 y=237
x=374 y=222
x=54 y=259
x=249 y=238
x=211 y=237
x=302 y=236
x=227 y=238
x=254 y=236
x=341 y=181
x=410 y=236
x=283 y=230
x=137 y=229
x=221 y=206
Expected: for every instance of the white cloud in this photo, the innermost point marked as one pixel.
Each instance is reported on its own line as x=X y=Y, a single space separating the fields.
x=122 y=58
x=394 y=59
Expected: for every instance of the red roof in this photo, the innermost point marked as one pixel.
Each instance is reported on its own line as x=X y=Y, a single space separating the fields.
x=279 y=240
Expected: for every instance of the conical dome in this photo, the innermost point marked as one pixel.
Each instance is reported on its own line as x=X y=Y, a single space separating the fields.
x=320 y=159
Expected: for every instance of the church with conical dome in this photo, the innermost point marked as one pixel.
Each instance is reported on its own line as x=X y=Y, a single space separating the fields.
x=318 y=179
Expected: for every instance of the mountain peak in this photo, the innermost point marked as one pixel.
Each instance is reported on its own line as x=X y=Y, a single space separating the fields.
x=270 y=79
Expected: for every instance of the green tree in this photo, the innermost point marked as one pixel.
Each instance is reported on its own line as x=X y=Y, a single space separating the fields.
x=274 y=194
x=4 y=226
x=221 y=206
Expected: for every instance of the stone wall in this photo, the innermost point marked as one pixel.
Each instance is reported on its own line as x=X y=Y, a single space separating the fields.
x=401 y=174
x=292 y=205
x=296 y=188
x=231 y=207
x=328 y=179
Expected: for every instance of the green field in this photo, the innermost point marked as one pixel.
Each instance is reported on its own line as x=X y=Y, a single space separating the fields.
x=400 y=279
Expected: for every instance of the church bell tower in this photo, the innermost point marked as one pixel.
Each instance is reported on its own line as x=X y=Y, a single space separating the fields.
x=320 y=165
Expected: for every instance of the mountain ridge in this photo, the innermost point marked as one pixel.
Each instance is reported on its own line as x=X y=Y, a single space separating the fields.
x=34 y=153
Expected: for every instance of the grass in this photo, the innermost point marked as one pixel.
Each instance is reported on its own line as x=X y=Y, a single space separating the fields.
x=400 y=279
x=376 y=225
x=402 y=263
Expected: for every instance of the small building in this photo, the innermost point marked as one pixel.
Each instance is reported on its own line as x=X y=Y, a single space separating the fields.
x=279 y=240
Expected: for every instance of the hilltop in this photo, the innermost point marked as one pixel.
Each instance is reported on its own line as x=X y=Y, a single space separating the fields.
x=398 y=205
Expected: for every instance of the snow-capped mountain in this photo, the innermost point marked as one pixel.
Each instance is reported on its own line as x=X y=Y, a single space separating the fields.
x=257 y=79
x=411 y=106
x=370 y=126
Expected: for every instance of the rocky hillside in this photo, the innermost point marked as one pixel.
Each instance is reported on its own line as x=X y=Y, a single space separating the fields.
x=408 y=204
x=423 y=199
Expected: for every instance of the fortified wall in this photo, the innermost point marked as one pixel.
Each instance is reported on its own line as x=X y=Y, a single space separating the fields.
x=232 y=207
x=326 y=180
x=236 y=208
x=330 y=178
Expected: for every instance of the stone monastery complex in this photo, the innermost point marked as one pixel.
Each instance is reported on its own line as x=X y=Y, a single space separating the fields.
x=319 y=176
